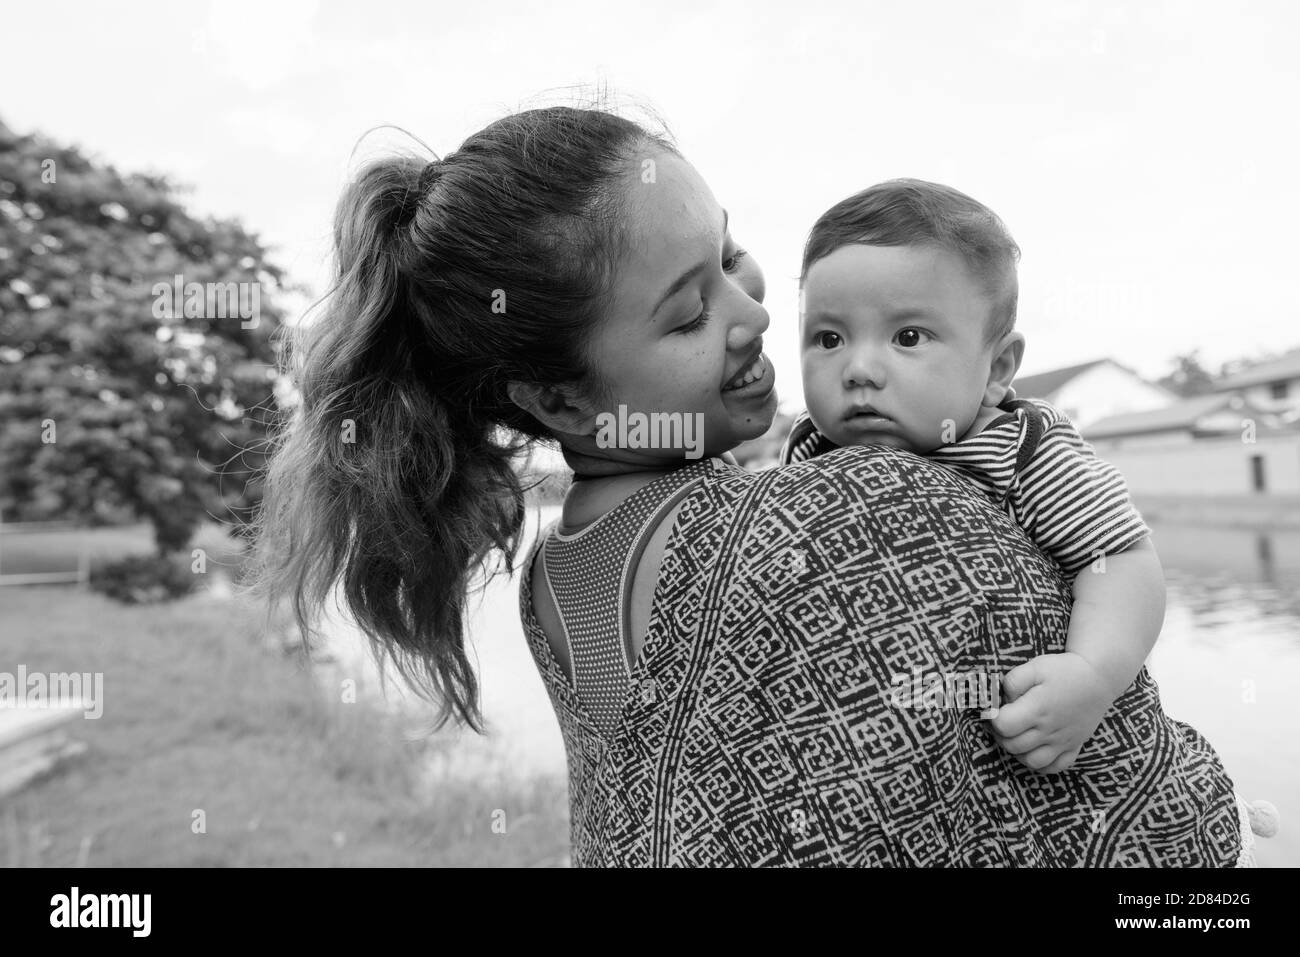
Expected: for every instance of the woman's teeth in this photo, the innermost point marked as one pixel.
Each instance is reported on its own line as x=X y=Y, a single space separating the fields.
x=755 y=371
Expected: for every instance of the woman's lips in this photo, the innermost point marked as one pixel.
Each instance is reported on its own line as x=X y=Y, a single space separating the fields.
x=761 y=368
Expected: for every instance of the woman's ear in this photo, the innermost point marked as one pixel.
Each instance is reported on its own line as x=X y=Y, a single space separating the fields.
x=1007 y=354
x=561 y=408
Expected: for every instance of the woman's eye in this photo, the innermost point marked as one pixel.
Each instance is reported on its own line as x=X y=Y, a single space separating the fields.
x=909 y=337
x=732 y=262
x=699 y=322
x=827 y=340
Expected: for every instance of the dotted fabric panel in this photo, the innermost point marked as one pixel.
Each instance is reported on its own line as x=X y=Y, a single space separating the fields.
x=590 y=576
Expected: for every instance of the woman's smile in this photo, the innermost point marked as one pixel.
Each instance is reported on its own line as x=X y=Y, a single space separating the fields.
x=756 y=380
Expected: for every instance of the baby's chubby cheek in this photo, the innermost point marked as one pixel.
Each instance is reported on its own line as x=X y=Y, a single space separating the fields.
x=824 y=416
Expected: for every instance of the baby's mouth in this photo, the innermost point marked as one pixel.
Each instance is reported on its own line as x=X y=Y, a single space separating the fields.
x=864 y=413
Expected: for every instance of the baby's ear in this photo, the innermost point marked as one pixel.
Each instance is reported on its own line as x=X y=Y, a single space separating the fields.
x=1007 y=353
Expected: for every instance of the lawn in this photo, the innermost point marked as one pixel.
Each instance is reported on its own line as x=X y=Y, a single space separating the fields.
x=37 y=550
x=203 y=723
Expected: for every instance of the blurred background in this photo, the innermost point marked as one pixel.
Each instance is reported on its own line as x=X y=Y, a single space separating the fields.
x=167 y=179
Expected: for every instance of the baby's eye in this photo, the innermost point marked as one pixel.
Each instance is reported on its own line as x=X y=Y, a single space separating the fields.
x=822 y=337
x=910 y=337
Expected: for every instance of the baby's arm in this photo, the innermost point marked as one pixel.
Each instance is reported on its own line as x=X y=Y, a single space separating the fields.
x=1076 y=508
x=1055 y=702
x=1119 y=606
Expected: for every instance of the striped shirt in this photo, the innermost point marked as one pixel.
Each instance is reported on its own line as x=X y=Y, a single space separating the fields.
x=1032 y=463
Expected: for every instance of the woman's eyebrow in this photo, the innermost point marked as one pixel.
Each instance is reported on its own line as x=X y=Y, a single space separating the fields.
x=687 y=276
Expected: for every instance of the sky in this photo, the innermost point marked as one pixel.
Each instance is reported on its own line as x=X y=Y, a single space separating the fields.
x=1144 y=155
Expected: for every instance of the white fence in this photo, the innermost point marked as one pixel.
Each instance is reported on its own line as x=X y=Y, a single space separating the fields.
x=80 y=575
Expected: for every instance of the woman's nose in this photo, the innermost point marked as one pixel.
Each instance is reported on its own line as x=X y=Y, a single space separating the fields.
x=751 y=322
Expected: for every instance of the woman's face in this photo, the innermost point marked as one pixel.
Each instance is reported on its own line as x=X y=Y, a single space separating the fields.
x=685 y=324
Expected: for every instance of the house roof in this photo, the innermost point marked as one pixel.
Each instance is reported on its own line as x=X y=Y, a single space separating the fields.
x=1171 y=418
x=1282 y=368
x=1043 y=385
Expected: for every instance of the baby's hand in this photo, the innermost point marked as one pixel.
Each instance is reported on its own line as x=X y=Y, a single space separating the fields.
x=1052 y=706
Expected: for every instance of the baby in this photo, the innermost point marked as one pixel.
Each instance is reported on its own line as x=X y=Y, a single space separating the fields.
x=907 y=339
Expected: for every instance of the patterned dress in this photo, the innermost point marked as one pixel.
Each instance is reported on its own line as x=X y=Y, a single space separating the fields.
x=762 y=724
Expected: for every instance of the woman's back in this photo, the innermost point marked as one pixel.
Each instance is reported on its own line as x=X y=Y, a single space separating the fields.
x=806 y=690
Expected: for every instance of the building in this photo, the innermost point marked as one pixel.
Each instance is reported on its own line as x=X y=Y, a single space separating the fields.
x=1273 y=385
x=1209 y=446
x=1094 y=390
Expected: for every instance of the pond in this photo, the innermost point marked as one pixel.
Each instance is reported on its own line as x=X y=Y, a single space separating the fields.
x=1228 y=660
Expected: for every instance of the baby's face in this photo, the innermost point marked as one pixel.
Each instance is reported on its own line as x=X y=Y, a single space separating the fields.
x=892 y=339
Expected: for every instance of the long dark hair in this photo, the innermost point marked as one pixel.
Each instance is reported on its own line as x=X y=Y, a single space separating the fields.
x=395 y=478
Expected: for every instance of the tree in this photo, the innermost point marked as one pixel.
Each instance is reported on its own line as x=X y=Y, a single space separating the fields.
x=114 y=403
x=1188 y=377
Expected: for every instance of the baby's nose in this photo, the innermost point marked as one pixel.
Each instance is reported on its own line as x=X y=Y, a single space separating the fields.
x=864 y=368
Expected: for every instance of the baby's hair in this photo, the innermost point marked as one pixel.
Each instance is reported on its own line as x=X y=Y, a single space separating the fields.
x=906 y=212
x=395 y=476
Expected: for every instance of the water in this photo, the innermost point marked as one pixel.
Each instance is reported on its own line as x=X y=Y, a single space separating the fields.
x=1228 y=660
x=1228 y=663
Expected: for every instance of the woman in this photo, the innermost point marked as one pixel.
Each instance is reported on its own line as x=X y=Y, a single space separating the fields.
x=722 y=649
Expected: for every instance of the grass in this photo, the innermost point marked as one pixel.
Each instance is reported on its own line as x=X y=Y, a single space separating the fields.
x=200 y=717
x=25 y=552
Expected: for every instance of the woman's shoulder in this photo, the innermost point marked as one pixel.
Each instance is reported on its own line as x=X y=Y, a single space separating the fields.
x=863 y=485
x=874 y=500
x=588 y=502
x=867 y=472
x=591 y=500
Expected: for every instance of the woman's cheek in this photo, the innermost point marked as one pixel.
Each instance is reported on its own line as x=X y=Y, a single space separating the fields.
x=686 y=373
